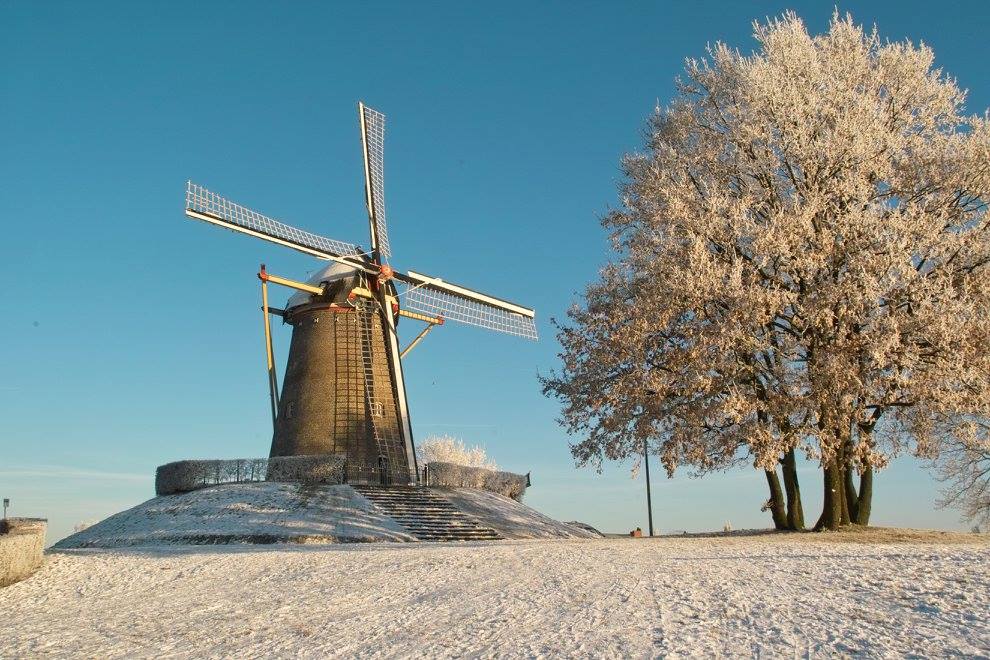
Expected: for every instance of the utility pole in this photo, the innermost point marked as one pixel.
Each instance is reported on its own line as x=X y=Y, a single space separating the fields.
x=646 y=460
x=649 y=499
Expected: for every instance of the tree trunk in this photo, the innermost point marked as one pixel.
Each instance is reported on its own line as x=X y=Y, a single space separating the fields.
x=777 y=509
x=852 y=499
x=865 y=501
x=831 y=517
x=841 y=494
x=795 y=511
x=842 y=469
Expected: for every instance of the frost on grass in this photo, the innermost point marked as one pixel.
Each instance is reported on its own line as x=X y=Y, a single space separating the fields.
x=293 y=513
x=739 y=597
x=509 y=518
x=251 y=512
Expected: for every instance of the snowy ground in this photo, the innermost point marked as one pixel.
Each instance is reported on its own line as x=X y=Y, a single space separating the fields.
x=263 y=512
x=267 y=512
x=609 y=597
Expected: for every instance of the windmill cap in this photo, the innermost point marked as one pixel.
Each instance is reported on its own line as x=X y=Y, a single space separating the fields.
x=331 y=273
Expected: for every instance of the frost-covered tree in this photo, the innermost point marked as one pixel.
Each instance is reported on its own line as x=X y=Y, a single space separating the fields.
x=964 y=469
x=447 y=449
x=800 y=265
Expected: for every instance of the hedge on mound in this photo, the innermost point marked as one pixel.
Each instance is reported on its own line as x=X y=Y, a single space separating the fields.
x=186 y=476
x=452 y=475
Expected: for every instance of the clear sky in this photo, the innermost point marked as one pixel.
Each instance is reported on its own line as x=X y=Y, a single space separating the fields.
x=132 y=336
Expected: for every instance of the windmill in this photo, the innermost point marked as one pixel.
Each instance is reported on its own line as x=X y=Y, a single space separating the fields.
x=343 y=391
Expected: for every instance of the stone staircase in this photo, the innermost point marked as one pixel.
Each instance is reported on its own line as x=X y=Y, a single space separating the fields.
x=426 y=514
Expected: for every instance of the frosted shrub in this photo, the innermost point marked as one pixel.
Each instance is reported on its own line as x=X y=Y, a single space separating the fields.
x=506 y=483
x=185 y=476
x=451 y=475
x=453 y=465
x=448 y=449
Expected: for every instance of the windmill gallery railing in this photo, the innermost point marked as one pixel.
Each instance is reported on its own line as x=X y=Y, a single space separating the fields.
x=187 y=476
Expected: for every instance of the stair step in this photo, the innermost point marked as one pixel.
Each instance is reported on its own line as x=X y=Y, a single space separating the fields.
x=451 y=524
x=426 y=537
x=403 y=503
x=462 y=522
x=438 y=535
x=434 y=521
x=424 y=509
x=439 y=532
x=427 y=516
x=408 y=514
x=446 y=529
x=471 y=535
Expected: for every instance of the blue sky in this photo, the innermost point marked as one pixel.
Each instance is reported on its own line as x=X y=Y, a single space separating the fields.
x=132 y=336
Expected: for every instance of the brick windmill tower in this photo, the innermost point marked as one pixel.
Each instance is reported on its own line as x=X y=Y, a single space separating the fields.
x=344 y=392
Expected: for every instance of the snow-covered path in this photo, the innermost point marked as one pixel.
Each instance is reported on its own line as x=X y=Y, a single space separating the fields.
x=609 y=597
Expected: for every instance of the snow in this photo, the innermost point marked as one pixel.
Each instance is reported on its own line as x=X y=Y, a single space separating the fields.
x=738 y=596
x=510 y=518
x=262 y=512
x=269 y=512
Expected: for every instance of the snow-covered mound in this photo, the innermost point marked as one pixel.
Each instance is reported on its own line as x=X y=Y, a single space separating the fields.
x=510 y=518
x=268 y=512
x=262 y=512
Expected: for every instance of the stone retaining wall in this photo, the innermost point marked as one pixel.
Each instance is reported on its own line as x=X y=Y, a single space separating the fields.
x=186 y=476
x=22 y=548
x=452 y=475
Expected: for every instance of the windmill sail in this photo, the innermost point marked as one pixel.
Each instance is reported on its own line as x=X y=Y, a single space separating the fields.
x=373 y=139
x=345 y=351
x=202 y=204
x=435 y=297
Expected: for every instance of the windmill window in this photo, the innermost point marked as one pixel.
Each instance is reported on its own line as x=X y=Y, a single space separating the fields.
x=290 y=409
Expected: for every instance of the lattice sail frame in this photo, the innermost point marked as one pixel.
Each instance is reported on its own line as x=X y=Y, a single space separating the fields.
x=223 y=212
x=434 y=301
x=452 y=303
x=374 y=128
